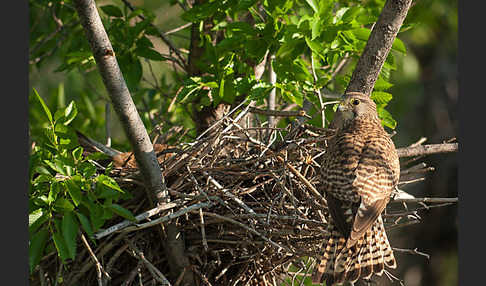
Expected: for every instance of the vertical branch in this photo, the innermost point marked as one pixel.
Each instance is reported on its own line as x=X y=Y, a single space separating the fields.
x=318 y=92
x=121 y=98
x=271 y=96
x=378 y=46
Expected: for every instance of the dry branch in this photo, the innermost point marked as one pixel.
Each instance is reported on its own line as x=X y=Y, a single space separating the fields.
x=427 y=149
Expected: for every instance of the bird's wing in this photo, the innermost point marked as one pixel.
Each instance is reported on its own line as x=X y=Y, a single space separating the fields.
x=376 y=176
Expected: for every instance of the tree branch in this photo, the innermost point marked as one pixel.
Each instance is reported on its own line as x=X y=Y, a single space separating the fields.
x=427 y=149
x=378 y=46
x=121 y=98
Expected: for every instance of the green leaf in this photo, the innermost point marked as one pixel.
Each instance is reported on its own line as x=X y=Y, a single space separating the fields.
x=70 y=113
x=87 y=170
x=315 y=46
x=351 y=14
x=148 y=53
x=386 y=118
x=188 y=93
x=36 y=219
x=85 y=224
x=200 y=12
x=399 y=46
x=61 y=247
x=121 y=211
x=315 y=27
x=144 y=42
x=55 y=166
x=381 y=97
x=47 y=112
x=362 y=33
x=132 y=69
x=109 y=182
x=54 y=190
x=74 y=189
x=259 y=91
x=62 y=204
x=34 y=216
x=36 y=247
x=70 y=232
x=112 y=10
x=77 y=153
x=96 y=216
x=382 y=84
x=313 y=5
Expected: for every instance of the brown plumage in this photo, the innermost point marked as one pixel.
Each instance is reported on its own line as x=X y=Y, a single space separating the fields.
x=358 y=173
x=127 y=159
x=122 y=159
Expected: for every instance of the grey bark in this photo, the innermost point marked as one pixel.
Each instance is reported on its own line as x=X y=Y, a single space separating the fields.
x=378 y=46
x=121 y=99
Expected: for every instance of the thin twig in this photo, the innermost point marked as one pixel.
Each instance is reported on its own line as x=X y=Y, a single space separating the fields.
x=140 y=217
x=165 y=218
x=318 y=92
x=278 y=113
x=249 y=229
x=99 y=268
x=411 y=251
x=426 y=200
x=153 y=270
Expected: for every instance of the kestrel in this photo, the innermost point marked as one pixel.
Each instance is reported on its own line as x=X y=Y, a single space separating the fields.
x=359 y=171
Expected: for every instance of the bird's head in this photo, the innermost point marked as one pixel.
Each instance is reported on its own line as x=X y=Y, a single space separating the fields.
x=353 y=105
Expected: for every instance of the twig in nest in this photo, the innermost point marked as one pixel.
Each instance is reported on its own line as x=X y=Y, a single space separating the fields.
x=135 y=252
x=166 y=218
x=138 y=218
x=426 y=200
x=396 y=226
x=249 y=229
x=411 y=251
x=99 y=268
x=227 y=193
x=133 y=273
x=303 y=179
x=278 y=113
x=203 y=230
x=203 y=278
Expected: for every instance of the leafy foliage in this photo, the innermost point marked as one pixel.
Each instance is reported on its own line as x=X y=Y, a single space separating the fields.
x=66 y=192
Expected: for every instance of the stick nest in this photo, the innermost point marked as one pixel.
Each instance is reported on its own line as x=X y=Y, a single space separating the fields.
x=243 y=210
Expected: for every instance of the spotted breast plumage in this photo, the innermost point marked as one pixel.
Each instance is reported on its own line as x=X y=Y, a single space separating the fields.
x=359 y=171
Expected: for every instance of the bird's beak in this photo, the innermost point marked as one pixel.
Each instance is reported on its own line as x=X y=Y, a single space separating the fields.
x=342 y=107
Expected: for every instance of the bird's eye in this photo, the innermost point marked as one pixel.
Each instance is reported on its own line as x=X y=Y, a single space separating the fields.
x=355 y=101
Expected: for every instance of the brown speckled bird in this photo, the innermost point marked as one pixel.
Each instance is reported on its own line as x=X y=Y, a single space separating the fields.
x=358 y=173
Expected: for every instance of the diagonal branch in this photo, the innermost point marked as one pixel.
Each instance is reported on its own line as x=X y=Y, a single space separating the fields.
x=121 y=98
x=378 y=46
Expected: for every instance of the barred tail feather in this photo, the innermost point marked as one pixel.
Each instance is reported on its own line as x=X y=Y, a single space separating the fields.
x=334 y=243
x=368 y=256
